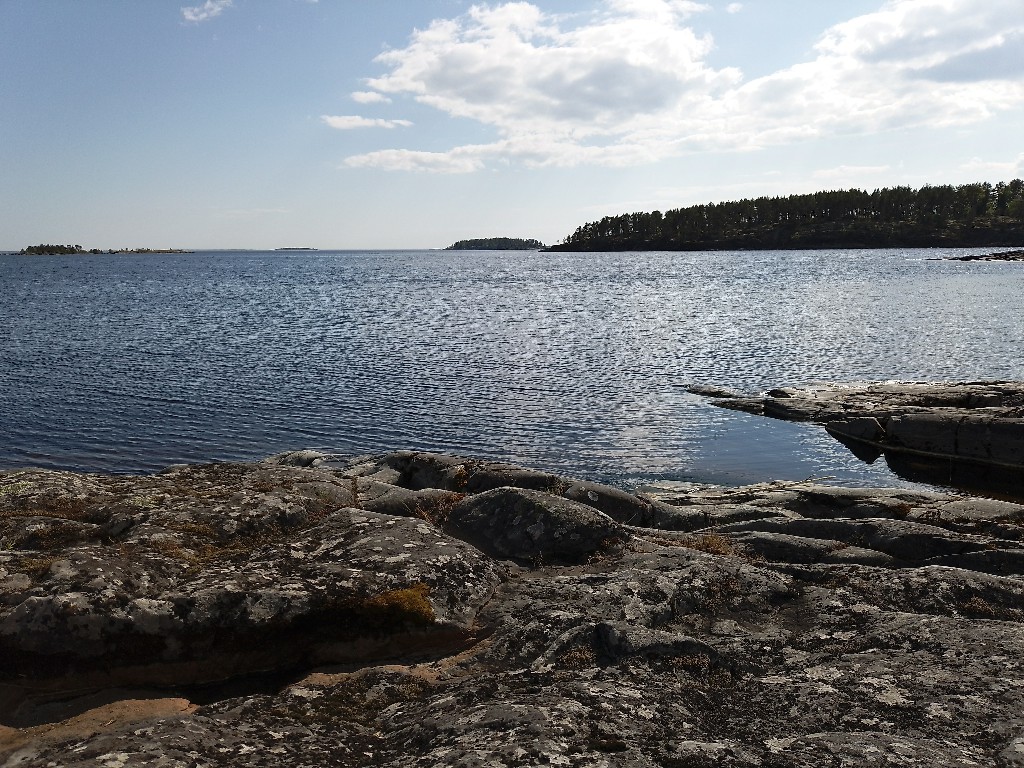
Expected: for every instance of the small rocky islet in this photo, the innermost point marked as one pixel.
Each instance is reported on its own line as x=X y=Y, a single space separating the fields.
x=419 y=609
x=1017 y=255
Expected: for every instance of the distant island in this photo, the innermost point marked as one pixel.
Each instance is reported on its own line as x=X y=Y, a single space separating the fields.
x=47 y=249
x=295 y=248
x=969 y=215
x=496 y=244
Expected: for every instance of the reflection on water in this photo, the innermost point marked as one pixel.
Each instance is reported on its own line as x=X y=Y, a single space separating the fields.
x=571 y=362
x=985 y=479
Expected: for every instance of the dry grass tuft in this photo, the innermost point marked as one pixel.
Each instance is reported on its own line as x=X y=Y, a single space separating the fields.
x=714 y=544
x=979 y=606
x=437 y=512
x=49 y=538
x=400 y=605
x=460 y=477
x=580 y=657
x=36 y=567
x=48 y=505
x=711 y=543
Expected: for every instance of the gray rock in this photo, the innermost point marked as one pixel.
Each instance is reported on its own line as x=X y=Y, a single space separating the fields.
x=901 y=539
x=427 y=503
x=419 y=470
x=233 y=572
x=619 y=640
x=785 y=548
x=298 y=458
x=532 y=526
x=1005 y=562
x=353 y=613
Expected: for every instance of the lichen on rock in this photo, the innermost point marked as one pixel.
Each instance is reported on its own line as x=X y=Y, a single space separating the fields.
x=417 y=609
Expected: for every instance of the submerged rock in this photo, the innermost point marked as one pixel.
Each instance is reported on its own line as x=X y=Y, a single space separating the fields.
x=427 y=610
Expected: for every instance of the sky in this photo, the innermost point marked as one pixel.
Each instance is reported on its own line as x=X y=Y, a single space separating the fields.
x=378 y=124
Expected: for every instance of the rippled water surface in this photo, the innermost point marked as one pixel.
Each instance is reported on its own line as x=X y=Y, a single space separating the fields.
x=568 y=362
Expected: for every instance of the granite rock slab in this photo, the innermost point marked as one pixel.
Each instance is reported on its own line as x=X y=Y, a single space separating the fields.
x=415 y=609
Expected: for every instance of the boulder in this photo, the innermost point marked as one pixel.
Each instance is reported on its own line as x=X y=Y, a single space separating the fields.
x=225 y=571
x=532 y=526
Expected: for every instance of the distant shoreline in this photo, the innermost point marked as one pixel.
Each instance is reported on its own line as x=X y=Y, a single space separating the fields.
x=1013 y=240
x=964 y=216
x=77 y=250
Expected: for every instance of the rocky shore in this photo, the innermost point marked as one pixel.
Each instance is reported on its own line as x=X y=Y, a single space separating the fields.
x=962 y=434
x=416 y=609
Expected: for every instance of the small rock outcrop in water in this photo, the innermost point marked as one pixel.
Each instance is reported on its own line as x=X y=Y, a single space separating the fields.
x=416 y=609
x=965 y=434
x=997 y=256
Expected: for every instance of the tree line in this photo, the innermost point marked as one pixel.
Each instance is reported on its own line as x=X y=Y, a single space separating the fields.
x=495 y=244
x=968 y=214
x=46 y=249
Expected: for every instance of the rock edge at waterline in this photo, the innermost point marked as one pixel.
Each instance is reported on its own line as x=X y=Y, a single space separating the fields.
x=426 y=610
x=962 y=434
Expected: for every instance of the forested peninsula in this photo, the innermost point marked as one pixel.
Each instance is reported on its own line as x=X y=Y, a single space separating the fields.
x=47 y=249
x=958 y=216
x=496 y=244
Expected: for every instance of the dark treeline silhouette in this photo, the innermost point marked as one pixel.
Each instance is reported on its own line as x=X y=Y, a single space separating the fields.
x=966 y=215
x=47 y=249
x=495 y=244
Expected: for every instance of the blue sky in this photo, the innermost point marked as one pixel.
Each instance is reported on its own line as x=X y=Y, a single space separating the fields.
x=415 y=123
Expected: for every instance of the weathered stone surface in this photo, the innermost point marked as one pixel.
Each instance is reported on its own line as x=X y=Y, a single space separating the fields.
x=216 y=571
x=321 y=611
x=532 y=526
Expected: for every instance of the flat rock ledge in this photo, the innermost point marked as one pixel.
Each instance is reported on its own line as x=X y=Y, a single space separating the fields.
x=417 y=609
x=1017 y=255
x=967 y=434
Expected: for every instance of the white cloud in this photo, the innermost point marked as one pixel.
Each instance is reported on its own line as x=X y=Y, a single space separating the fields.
x=734 y=7
x=348 y=122
x=632 y=83
x=208 y=10
x=370 y=97
x=846 y=174
x=460 y=160
x=662 y=10
x=1004 y=169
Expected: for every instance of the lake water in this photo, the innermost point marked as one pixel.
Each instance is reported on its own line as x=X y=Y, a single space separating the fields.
x=574 y=363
